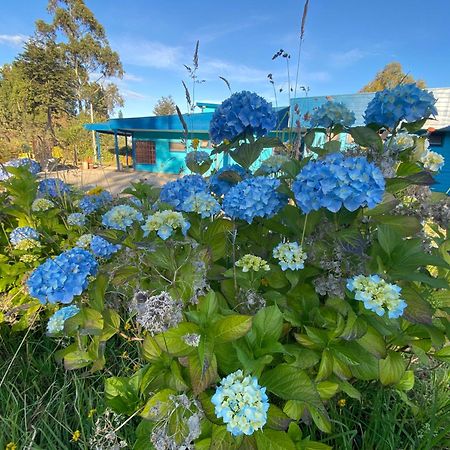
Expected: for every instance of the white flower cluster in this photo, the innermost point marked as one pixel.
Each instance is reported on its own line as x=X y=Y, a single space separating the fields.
x=156 y=313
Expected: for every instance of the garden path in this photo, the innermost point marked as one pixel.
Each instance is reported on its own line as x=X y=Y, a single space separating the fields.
x=108 y=178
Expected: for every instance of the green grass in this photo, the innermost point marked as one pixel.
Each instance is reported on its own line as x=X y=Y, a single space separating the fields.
x=41 y=405
x=384 y=421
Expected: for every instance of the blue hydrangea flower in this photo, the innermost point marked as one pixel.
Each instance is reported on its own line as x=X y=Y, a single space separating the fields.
x=76 y=219
x=406 y=102
x=226 y=177
x=91 y=203
x=290 y=255
x=121 y=217
x=53 y=187
x=165 y=223
x=102 y=248
x=21 y=234
x=337 y=181
x=201 y=203
x=33 y=167
x=55 y=324
x=332 y=113
x=197 y=157
x=254 y=197
x=243 y=112
x=377 y=295
x=60 y=279
x=241 y=403
x=135 y=201
x=175 y=193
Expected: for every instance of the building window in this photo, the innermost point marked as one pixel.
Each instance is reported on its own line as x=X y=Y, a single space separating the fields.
x=435 y=139
x=175 y=146
x=145 y=152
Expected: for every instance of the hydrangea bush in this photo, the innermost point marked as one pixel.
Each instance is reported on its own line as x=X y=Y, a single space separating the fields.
x=254 y=301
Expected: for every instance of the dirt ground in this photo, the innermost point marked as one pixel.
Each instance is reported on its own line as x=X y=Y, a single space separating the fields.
x=108 y=178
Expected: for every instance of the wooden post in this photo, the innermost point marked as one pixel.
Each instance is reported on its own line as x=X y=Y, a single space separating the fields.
x=116 y=149
x=133 y=150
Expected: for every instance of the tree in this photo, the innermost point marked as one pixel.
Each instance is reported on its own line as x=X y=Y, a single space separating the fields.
x=84 y=43
x=165 y=106
x=392 y=75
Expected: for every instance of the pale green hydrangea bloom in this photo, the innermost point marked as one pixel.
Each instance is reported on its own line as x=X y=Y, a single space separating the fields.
x=27 y=244
x=252 y=262
x=42 y=204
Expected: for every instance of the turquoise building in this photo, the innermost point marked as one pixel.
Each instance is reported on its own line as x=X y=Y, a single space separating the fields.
x=159 y=143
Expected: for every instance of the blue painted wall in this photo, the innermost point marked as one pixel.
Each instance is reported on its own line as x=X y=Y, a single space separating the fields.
x=168 y=161
x=443 y=176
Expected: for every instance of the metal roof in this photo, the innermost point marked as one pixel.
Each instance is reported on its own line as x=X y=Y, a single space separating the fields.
x=358 y=104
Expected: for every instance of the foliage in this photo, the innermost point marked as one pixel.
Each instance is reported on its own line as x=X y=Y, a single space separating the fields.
x=48 y=92
x=165 y=106
x=198 y=298
x=389 y=77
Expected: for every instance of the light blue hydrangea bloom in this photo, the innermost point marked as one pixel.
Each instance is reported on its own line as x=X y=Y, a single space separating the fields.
x=377 y=295
x=42 y=204
x=273 y=163
x=21 y=234
x=121 y=217
x=241 y=403
x=243 y=112
x=175 y=193
x=84 y=241
x=201 y=203
x=165 y=223
x=254 y=197
x=55 y=324
x=337 y=181
x=400 y=142
x=33 y=167
x=332 y=113
x=102 y=248
x=76 y=219
x=60 y=279
x=91 y=203
x=197 y=157
x=226 y=177
x=53 y=187
x=405 y=102
x=290 y=255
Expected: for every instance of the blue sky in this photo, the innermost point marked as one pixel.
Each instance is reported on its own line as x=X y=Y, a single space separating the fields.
x=346 y=43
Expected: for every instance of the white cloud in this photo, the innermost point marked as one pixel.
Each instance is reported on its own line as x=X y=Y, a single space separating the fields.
x=128 y=93
x=14 y=40
x=344 y=59
x=150 y=54
x=130 y=77
x=240 y=73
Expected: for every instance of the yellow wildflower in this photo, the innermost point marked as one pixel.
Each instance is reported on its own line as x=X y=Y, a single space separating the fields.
x=127 y=326
x=76 y=435
x=195 y=142
x=94 y=191
x=91 y=413
x=342 y=402
x=11 y=446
